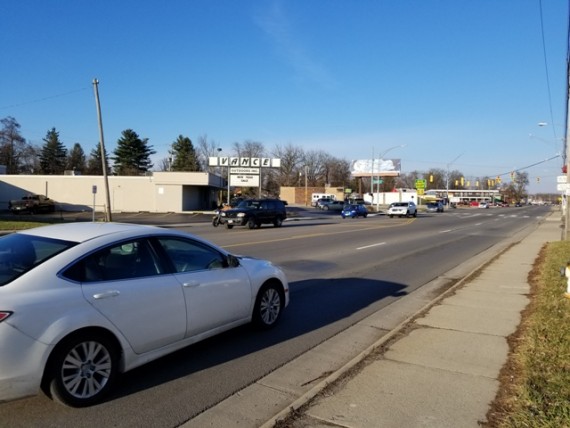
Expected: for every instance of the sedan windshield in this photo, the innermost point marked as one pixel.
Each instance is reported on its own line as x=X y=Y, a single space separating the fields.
x=19 y=253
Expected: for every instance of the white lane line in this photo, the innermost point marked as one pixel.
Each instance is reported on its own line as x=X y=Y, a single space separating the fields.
x=370 y=246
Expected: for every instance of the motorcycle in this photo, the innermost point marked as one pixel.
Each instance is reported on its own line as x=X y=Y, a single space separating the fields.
x=216 y=220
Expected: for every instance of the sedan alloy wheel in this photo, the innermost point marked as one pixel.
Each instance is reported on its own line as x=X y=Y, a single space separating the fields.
x=268 y=306
x=83 y=370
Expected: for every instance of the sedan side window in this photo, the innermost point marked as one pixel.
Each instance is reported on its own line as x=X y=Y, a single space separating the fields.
x=188 y=256
x=131 y=259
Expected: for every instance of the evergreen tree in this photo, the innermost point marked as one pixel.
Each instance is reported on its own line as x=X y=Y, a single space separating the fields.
x=12 y=145
x=184 y=155
x=76 y=159
x=95 y=164
x=53 y=155
x=132 y=155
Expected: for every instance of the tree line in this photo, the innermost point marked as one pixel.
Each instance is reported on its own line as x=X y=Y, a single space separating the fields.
x=299 y=167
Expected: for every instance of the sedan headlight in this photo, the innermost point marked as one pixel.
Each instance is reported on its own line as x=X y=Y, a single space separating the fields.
x=240 y=215
x=223 y=214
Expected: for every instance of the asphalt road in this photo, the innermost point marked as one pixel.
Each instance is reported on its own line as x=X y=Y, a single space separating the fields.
x=340 y=271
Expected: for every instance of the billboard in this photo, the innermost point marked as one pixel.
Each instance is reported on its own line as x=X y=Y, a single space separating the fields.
x=375 y=168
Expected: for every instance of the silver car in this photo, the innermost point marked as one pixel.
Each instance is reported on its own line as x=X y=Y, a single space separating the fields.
x=80 y=303
x=434 y=207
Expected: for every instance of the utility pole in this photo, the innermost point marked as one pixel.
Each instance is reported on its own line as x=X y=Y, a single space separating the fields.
x=103 y=153
x=566 y=148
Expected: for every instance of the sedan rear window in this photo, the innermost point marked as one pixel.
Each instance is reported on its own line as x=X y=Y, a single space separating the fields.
x=20 y=253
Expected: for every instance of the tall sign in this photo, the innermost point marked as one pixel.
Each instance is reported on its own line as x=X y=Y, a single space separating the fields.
x=244 y=172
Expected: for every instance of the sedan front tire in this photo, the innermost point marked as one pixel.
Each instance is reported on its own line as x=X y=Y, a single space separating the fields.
x=268 y=306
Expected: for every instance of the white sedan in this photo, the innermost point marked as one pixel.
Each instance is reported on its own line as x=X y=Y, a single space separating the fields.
x=80 y=303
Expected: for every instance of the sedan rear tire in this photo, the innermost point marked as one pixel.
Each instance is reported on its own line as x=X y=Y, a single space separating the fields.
x=82 y=370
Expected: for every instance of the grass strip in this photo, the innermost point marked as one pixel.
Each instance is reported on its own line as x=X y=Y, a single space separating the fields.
x=535 y=383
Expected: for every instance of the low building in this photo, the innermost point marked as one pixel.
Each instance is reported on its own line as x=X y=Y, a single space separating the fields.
x=156 y=192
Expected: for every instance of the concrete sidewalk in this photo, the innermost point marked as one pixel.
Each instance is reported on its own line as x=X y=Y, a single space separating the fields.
x=444 y=371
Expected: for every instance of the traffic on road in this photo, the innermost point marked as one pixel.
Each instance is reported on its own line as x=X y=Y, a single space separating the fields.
x=339 y=272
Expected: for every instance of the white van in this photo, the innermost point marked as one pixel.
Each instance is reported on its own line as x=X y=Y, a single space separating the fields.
x=316 y=196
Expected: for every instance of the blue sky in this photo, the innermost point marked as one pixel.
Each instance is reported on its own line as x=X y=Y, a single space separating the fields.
x=460 y=82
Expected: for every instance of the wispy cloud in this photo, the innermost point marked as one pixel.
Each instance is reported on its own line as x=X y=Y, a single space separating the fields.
x=278 y=27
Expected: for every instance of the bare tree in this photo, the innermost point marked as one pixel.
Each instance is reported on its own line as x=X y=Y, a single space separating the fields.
x=205 y=149
x=30 y=159
x=164 y=164
x=291 y=163
x=405 y=181
x=456 y=180
x=337 y=172
x=436 y=178
x=249 y=149
x=12 y=145
x=314 y=163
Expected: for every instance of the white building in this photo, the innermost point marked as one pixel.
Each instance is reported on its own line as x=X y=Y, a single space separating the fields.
x=157 y=192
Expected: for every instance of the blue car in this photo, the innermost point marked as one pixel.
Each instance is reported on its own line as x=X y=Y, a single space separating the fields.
x=354 y=210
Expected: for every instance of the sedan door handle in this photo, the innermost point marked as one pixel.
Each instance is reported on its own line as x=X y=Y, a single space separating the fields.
x=106 y=294
x=190 y=284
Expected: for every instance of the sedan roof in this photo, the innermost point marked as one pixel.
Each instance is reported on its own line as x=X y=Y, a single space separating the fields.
x=81 y=232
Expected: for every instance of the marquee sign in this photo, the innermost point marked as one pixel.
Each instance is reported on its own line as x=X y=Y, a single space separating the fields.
x=244 y=172
x=226 y=161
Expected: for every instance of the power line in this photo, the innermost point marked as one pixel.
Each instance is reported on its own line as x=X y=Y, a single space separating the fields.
x=529 y=166
x=546 y=71
x=39 y=100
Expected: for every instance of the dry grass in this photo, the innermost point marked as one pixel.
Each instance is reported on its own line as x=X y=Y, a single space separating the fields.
x=535 y=383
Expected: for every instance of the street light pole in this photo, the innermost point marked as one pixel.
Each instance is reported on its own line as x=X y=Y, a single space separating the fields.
x=306 y=184
x=447 y=178
x=381 y=158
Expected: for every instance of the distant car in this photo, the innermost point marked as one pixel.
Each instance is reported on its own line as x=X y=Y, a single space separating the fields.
x=483 y=205
x=322 y=202
x=82 y=303
x=518 y=204
x=254 y=213
x=354 y=211
x=473 y=204
x=434 y=207
x=358 y=201
x=32 y=204
x=333 y=206
x=402 y=209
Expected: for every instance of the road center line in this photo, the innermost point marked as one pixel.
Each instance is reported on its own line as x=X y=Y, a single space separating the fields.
x=370 y=246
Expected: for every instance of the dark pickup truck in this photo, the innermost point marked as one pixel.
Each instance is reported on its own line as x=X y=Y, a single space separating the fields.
x=32 y=204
